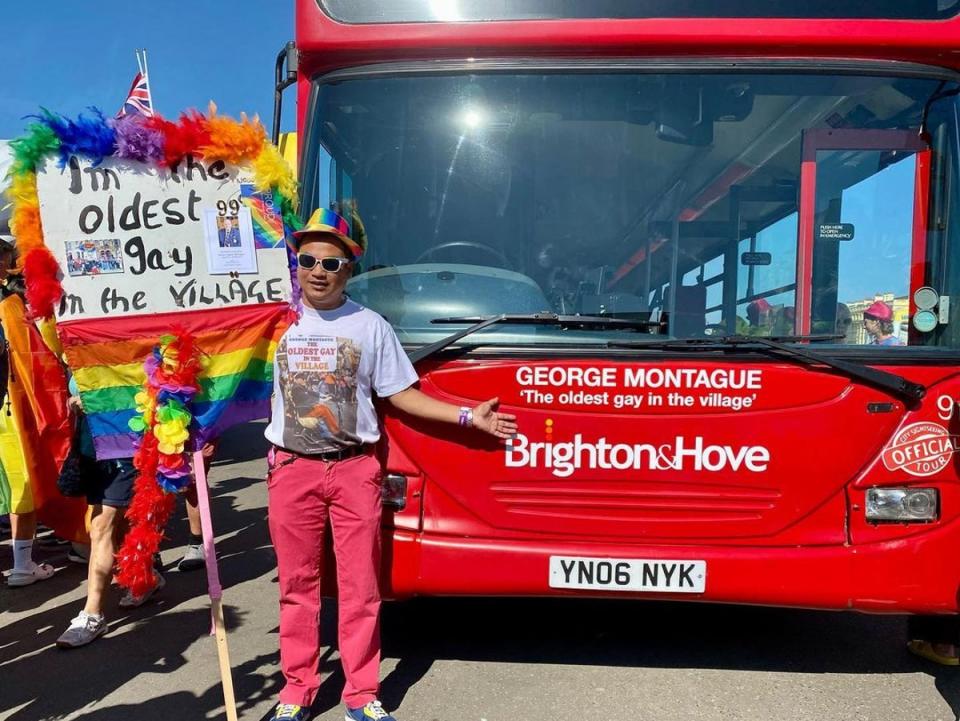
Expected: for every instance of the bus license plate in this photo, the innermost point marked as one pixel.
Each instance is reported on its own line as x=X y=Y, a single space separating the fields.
x=628 y=574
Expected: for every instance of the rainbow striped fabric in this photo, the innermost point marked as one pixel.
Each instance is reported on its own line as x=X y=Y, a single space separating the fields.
x=107 y=360
x=268 y=228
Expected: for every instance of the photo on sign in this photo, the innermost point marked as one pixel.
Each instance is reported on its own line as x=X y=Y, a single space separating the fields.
x=228 y=231
x=229 y=242
x=93 y=257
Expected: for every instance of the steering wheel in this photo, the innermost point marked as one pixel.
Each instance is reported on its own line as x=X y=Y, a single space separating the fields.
x=464 y=244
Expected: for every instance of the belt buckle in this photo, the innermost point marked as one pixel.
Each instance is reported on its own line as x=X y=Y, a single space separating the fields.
x=336 y=455
x=340 y=453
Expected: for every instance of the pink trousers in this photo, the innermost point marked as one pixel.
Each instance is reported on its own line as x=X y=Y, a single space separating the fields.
x=303 y=494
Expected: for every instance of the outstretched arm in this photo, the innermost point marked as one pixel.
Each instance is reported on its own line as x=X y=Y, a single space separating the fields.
x=485 y=416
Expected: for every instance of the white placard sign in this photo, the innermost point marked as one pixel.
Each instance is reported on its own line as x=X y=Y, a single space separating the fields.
x=133 y=239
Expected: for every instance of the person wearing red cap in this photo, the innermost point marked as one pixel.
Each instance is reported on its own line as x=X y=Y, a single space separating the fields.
x=878 y=322
x=759 y=313
x=322 y=465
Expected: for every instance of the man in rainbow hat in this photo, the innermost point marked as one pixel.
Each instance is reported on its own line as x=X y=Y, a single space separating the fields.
x=322 y=465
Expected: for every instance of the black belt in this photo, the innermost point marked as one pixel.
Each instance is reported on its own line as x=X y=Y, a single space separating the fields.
x=337 y=455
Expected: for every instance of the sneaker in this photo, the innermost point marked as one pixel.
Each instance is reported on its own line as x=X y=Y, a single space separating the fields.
x=291 y=712
x=193 y=559
x=83 y=629
x=39 y=572
x=78 y=553
x=128 y=600
x=373 y=711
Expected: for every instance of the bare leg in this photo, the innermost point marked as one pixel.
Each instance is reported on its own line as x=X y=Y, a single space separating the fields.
x=193 y=511
x=23 y=526
x=104 y=523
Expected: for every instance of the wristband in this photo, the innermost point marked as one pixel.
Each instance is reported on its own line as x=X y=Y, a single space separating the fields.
x=466 y=417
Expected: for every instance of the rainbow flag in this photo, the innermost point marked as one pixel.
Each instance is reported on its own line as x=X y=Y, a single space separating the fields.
x=268 y=230
x=37 y=431
x=107 y=355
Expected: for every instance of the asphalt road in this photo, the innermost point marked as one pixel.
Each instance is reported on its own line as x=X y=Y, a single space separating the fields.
x=452 y=659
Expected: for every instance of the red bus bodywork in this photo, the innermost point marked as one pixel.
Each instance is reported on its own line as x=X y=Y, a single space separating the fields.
x=790 y=530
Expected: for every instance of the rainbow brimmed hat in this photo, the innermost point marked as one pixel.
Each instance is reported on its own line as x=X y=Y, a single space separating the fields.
x=327 y=221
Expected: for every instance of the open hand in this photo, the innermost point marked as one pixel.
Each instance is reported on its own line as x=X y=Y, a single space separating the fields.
x=487 y=418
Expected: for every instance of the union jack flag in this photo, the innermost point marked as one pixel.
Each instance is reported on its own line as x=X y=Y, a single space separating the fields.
x=138 y=99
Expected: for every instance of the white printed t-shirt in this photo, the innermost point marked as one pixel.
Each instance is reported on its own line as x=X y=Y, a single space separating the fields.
x=325 y=368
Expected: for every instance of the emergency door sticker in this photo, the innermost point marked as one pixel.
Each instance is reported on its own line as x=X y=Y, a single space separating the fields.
x=920 y=449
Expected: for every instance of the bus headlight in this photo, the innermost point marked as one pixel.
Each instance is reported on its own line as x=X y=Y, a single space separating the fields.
x=394 y=491
x=902 y=504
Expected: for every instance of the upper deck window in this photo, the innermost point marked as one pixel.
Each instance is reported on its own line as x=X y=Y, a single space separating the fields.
x=408 y=11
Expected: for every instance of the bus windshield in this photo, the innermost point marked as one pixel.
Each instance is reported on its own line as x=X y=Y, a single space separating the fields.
x=681 y=197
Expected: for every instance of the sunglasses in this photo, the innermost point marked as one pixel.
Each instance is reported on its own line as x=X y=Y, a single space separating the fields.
x=331 y=265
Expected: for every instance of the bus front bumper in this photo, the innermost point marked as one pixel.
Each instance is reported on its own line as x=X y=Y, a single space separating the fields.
x=917 y=574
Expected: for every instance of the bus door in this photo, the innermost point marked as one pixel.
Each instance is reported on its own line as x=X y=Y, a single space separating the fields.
x=862 y=229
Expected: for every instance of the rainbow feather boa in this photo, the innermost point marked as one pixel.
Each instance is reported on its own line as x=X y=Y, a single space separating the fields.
x=162 y=459
x=157 y=141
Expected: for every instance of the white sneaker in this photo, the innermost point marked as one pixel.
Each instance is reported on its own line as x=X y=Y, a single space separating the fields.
x=21 y=577
x=193 y=559
x=130 y=601
x=83 y=629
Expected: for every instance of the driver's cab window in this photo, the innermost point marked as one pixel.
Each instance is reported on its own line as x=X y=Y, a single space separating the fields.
x=863 y=237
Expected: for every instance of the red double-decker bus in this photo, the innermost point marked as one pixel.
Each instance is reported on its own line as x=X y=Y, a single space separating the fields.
x=703 y=250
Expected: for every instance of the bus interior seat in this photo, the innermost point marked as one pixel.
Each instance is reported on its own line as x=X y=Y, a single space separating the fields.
x=690 y=312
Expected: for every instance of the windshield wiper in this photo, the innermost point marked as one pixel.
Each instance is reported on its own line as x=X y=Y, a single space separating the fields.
x=564 y=321
x=713 y=341
x=894 y=384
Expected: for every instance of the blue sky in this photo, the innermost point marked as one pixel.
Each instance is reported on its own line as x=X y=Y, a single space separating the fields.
x=68 y=54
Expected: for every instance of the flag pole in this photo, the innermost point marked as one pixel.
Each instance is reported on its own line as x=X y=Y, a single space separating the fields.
x=146 y=75
x=213 y=585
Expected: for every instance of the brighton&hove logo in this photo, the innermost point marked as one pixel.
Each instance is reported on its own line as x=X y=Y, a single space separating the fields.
x=694 y=454
x=920 y=449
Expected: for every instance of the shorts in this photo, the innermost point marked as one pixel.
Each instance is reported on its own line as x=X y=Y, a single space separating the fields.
x=111 y=482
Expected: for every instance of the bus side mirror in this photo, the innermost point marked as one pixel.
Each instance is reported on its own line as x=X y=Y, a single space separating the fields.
x=289 y=57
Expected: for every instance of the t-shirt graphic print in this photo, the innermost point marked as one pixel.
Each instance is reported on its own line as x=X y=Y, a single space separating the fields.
x=318 y=382
x=326 y=369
